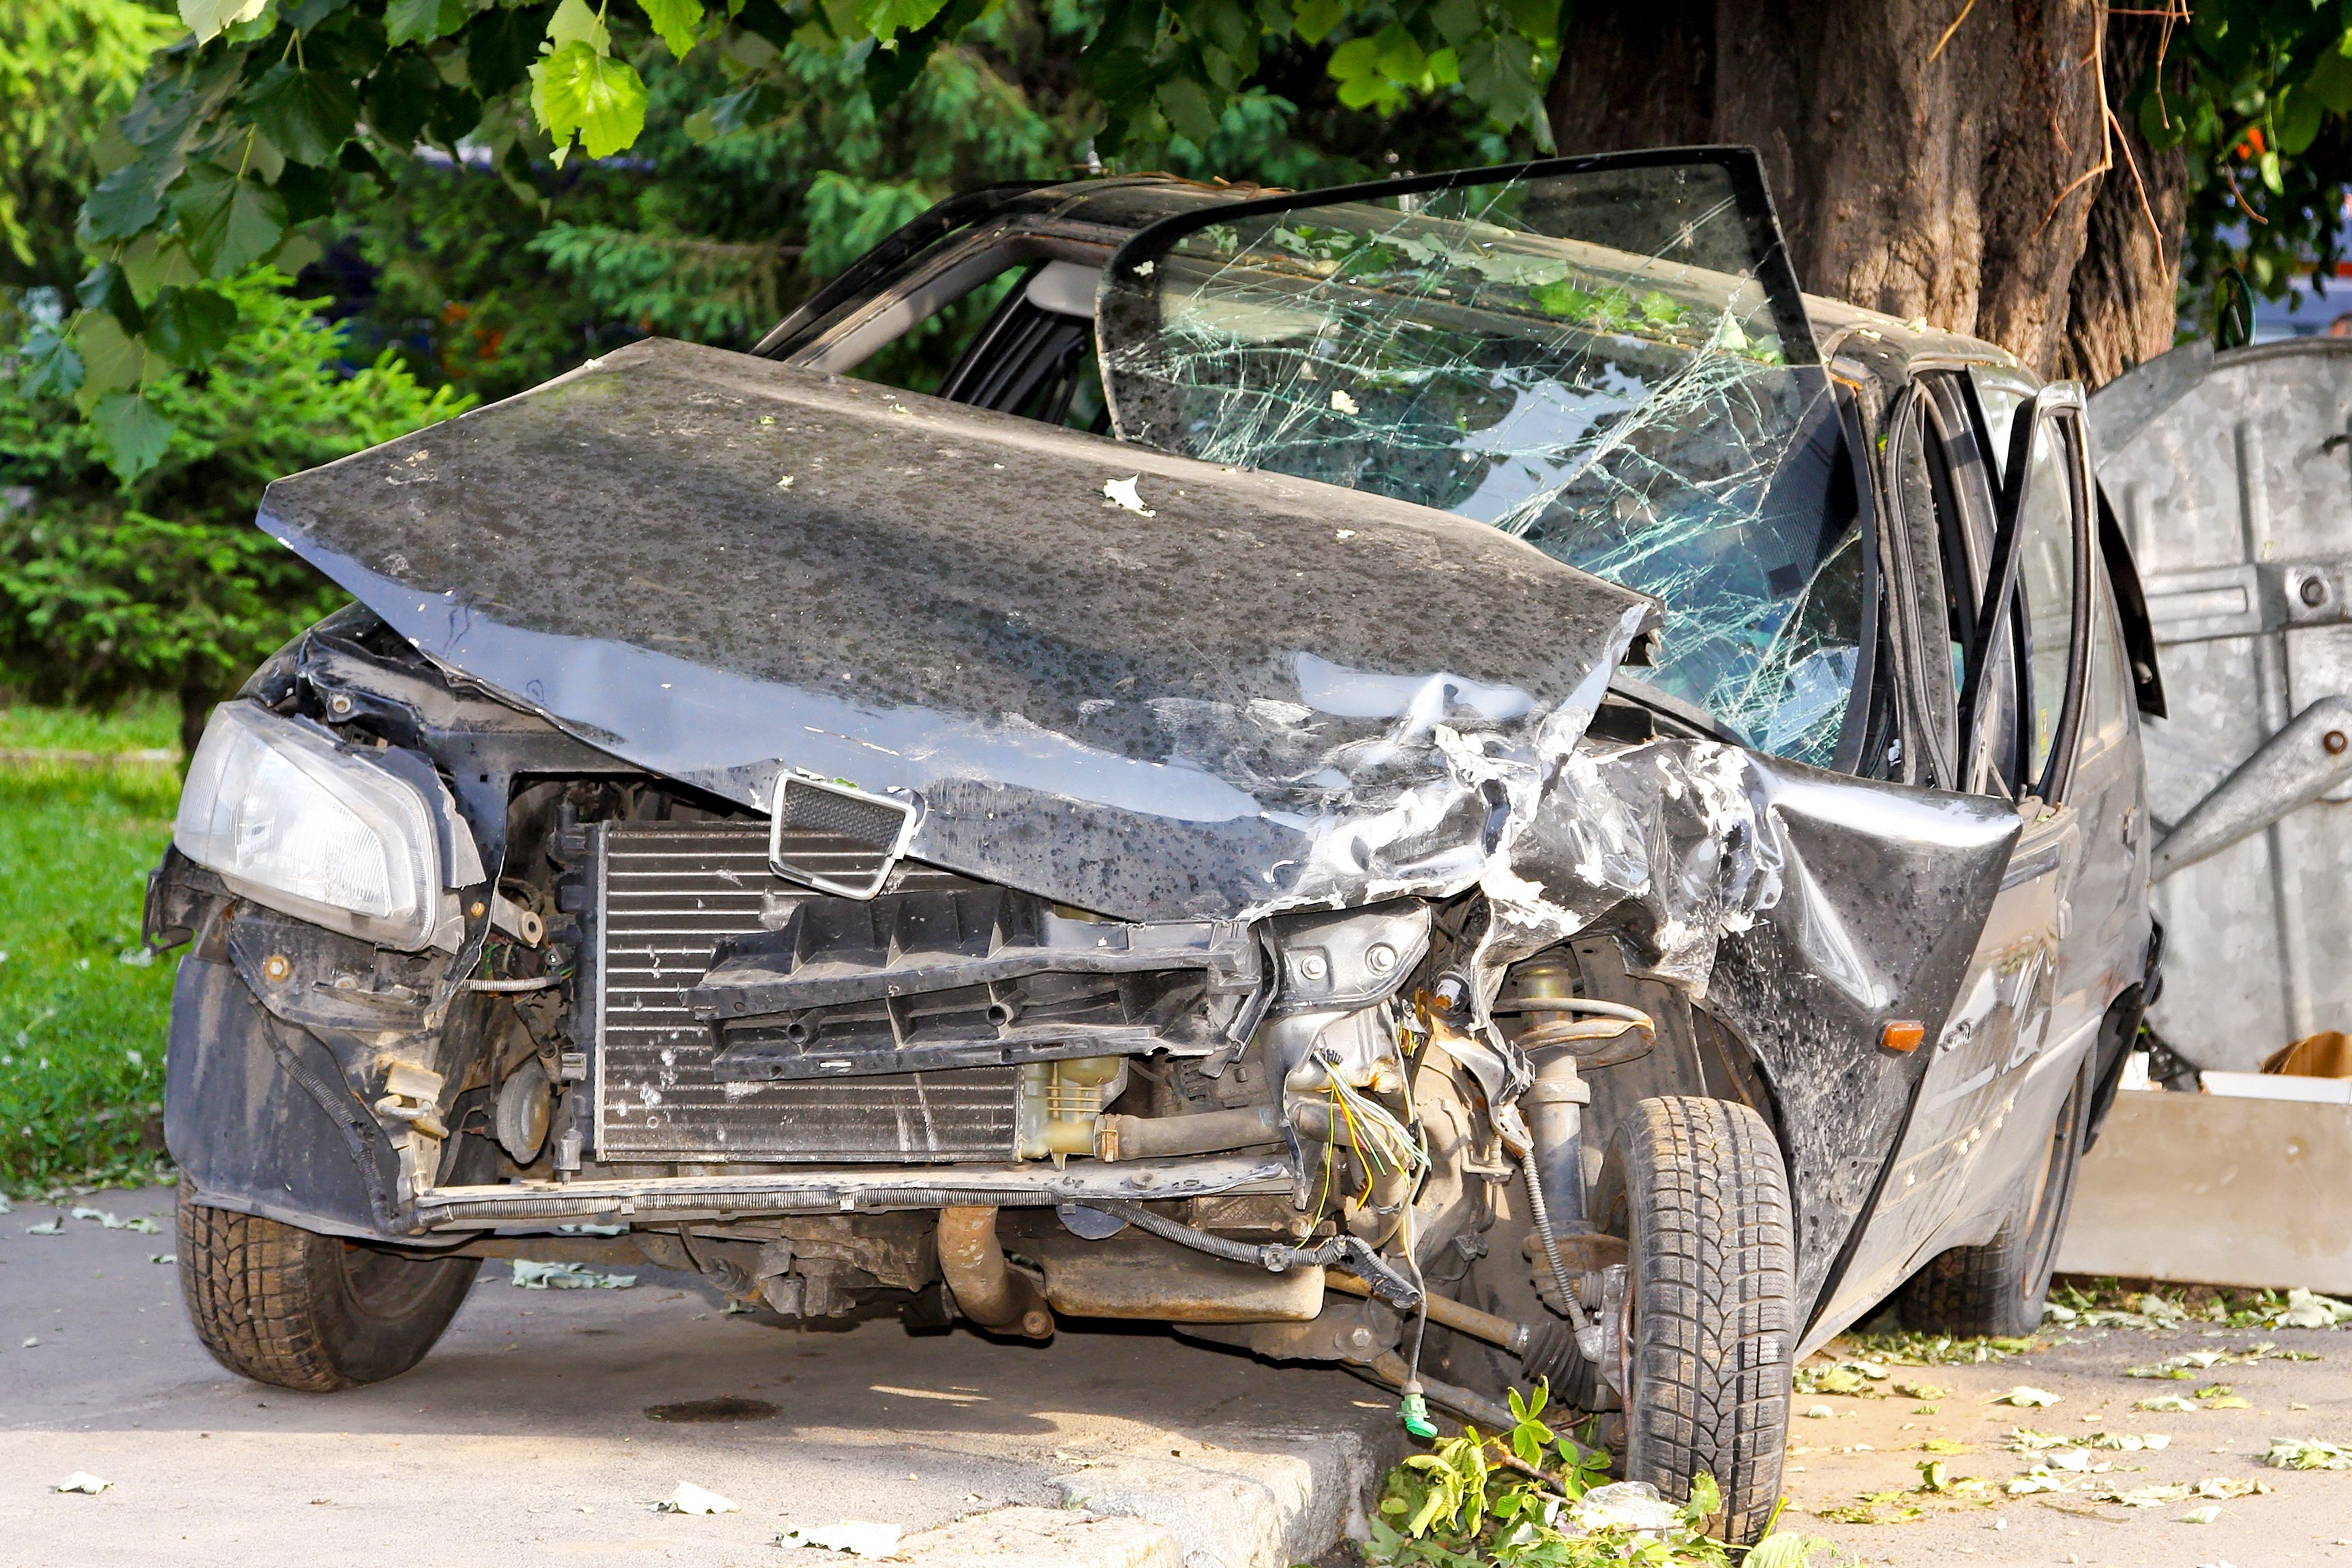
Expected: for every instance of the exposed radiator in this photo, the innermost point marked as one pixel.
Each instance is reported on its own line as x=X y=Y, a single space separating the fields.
x=666 y=893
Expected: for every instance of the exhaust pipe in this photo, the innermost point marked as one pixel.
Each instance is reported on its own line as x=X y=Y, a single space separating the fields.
x=986 y=1289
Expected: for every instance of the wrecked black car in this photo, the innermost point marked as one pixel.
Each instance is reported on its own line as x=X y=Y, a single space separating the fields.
x=1446 y=776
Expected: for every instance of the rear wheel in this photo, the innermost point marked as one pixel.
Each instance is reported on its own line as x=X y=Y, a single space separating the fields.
x=288 y=1307
x=1999 y=1289
x=1697 y=1189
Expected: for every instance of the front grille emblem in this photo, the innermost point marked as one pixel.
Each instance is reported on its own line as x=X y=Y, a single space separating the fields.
x=837 y=838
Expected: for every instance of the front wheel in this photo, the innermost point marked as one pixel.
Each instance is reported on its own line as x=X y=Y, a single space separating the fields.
x=1698 y=1191
x=298 y=1310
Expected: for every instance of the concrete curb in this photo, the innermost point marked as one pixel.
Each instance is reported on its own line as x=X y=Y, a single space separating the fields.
x=1250 y=1498
x=1044 y=1538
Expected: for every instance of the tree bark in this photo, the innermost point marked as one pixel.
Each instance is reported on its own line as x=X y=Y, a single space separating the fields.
x=1917 y=173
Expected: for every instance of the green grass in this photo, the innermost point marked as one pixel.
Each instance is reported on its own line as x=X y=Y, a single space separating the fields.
x=147 y=724
x=81 y=1018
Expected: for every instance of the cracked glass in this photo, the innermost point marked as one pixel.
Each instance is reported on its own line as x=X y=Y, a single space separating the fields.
x=1590 y=362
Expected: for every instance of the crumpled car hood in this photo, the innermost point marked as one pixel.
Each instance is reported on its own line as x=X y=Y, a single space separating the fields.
x=1255 y=692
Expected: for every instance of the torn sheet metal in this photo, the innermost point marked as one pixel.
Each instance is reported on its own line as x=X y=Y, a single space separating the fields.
x=1230 y=705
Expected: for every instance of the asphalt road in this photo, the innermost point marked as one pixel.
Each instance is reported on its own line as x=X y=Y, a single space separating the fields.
x=1873 y=1446
x=524 y=1437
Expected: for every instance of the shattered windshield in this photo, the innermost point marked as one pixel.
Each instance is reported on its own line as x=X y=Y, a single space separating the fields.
x=1589 y=361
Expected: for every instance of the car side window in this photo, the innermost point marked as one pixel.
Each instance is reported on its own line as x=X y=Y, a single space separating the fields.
x=2048 y=559
x=1942 y=466
x=2111 y=695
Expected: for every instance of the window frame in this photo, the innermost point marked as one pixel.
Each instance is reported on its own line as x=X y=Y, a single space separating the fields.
x=2061 y=402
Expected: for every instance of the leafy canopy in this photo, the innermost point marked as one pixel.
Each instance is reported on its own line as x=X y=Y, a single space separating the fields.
x=241 y=128
x=163 y=583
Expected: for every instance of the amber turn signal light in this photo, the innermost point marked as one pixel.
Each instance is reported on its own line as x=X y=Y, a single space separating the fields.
x=1903 y=1034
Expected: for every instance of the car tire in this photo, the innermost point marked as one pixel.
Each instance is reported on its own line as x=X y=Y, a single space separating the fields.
x=297 y=1309
x=1997 y=1290
x=1698 y=1190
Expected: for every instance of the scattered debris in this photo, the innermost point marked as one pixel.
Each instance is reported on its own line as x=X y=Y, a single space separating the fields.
x=1343 y=404
x=1635 y=1505
x=53 y=1226
x=531 y=1276
x=2307 y=1454
x=2167 y=1402
x=1846 y=1377
x=1925 y=1391
x=2205 y=1515
x=143 y=1226
x=692 y=1499
x=2026 y=1441
x=31 y=1341
x=2024 y=1398
x=163 y=1257
x=104 y=1217
x=1936 y=1350
x=854 y=1537
x=81 y=1481
x=1123 y=492
x=1817 y=1413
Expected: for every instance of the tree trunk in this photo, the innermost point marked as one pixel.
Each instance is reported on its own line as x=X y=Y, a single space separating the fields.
x=1944 y=183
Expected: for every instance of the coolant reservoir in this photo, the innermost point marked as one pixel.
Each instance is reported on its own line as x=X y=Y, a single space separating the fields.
x=1059 y=1103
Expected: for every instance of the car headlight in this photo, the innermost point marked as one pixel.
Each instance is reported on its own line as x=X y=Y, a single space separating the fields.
x=289 y=819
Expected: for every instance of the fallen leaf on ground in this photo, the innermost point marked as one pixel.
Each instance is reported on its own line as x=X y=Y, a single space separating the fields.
x=163 y=1257
x=54 y=1226
x=857 y=1539
x=2307 y=1454
x=81 y=1481
x=103 y=1217
x=2206 y=1515
x=2166 y=1401
x=2025 y=1398
x=1926 y=1390
x=692 y=1499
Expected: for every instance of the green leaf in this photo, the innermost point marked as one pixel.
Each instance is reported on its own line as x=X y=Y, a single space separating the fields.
x=676 y=21
x=131 y=198
x=190 y=326
x=419 y=21
x=1498 y=73
x=884 y=18
x=153 y=263
x=52 y=368
x=1785 y=1549
x=307 y=193
x=1457 y=21
x=1706 y=1499
x=1399 y=58
x=1534 y=20
x=573 y=23
x=304 y=15
x=135 y=437
x=227 y=222
x=500 y=46
x=576 y=91
x=110 y=358
x=401 y=96
x=1186 y=104
x=106 y=288
x=308 y=113
x=2298 y=119
x=1314 y=19
x=207 y=18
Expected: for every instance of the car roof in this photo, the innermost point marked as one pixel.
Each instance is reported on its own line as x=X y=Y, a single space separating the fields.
x=1888 y=347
